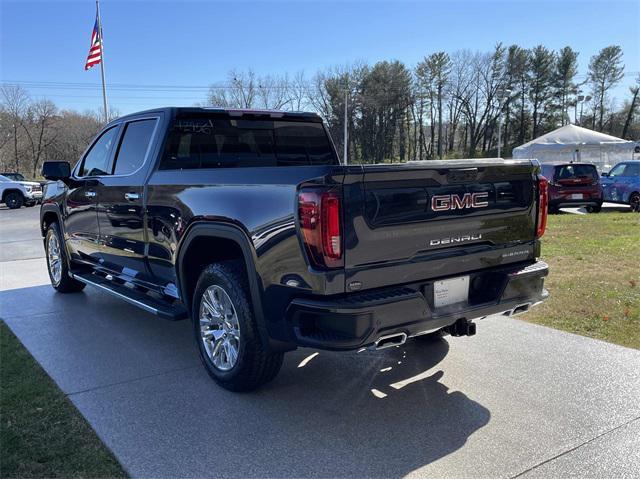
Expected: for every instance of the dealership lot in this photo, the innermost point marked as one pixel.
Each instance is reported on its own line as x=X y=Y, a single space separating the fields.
x=515 y=399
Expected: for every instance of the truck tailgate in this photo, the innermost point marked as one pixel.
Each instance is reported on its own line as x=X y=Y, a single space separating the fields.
x=408 y=222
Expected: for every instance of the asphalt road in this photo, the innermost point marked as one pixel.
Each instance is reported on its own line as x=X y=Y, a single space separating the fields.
x=515 y=400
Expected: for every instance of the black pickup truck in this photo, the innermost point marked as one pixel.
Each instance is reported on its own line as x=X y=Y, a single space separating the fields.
x=246 y=222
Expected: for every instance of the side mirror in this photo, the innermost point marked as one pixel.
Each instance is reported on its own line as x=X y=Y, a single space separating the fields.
x=56 y=170
x=604 y=174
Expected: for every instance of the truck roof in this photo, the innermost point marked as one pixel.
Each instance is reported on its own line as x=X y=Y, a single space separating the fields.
x=239 y=112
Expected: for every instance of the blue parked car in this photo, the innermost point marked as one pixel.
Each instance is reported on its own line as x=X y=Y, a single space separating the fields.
x=622 y=184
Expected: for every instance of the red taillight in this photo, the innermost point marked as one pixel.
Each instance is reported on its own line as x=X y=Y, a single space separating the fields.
x=321 y=227
x=543 y=205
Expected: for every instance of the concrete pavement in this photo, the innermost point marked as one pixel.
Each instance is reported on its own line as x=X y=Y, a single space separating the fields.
x=517 y=399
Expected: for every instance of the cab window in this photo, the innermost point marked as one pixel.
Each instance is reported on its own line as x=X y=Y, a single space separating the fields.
x=96 y=161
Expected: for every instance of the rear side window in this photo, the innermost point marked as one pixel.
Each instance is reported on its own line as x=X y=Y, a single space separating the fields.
x=567 y=172
x=96 y=161
x=632 y=169
x=133 y=146
x=548 y=171
x=229 y=143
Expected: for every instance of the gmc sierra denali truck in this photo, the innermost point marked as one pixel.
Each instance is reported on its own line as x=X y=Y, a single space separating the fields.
x=247 y=223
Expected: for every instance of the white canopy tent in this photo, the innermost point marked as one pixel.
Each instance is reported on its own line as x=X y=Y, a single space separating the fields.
x=574 y=143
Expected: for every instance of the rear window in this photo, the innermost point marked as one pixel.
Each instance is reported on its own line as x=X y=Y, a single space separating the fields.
x=567 y=172
x=229 y=143
x=133 y=146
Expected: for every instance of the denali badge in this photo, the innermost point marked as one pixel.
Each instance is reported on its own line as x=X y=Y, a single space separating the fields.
x=457 y=202
x=455 y=239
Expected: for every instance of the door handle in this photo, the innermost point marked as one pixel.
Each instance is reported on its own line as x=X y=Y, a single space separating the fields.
x=90 y=194
x=132 y=196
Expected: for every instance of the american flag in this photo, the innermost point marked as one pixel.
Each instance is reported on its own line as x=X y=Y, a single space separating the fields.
x=95 y=51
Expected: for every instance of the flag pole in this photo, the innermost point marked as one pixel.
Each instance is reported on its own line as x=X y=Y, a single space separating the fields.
x=104 y=86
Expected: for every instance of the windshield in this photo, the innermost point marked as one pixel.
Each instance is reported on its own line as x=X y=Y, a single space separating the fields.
x=4 y=179
x=14 y=176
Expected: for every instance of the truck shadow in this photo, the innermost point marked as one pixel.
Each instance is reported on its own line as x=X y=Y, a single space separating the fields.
x=369 y=414
x=383 y=413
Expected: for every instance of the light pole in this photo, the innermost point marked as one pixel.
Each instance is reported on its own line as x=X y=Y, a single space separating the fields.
x=502 y=94
x=581 y=100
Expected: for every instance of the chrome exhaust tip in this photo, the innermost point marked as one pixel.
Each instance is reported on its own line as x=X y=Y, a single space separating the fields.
x=389 y=341
x=521 y=308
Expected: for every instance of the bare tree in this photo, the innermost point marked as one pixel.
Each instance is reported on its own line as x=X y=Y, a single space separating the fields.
x=15 y=102
x=241 y=91
x=39 y=130
x=480 y=107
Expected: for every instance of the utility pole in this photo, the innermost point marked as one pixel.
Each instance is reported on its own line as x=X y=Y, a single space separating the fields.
x=346 y=128
x=499 y=134
x=104 y=85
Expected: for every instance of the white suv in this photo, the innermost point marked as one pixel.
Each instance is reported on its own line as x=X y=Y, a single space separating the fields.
x=17 y=193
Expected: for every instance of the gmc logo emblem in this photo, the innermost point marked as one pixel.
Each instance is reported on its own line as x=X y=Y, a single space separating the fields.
x=457 y=202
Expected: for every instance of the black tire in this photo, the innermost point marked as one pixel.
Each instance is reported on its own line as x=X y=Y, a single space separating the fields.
x=254 y=365
x=554 y=210
x=594 y=209
x=634 y=202
x=64 y=284
x=14 y=200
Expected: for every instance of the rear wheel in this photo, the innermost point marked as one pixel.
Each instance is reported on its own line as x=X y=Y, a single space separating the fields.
x=634 y=202
x=226 y=331
x=594 y=209
x=57 y=262
x=14 y=200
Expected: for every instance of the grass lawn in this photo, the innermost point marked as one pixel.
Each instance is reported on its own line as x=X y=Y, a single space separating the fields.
x=41 y=432
x=594 y=277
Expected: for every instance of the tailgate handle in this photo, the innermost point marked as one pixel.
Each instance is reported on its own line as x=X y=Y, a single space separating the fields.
x=462 y=175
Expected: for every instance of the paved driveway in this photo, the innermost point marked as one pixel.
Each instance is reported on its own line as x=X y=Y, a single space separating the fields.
x=517 y=399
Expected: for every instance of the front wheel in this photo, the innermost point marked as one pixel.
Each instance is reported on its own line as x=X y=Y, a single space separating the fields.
x=634 y=202
x=226 y=331
x=57 y=262
x=14 y=200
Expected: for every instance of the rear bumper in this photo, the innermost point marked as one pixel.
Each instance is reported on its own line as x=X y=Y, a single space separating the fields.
x=358 y=320
x=575 y=203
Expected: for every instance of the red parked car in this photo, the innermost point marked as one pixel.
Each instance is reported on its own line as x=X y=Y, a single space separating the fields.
x=573 y=185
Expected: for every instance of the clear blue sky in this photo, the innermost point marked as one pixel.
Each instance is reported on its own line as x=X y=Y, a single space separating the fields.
x=196 y=43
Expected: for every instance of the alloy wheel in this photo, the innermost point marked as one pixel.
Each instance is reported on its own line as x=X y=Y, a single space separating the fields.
x=219 y=328
x=54 y=258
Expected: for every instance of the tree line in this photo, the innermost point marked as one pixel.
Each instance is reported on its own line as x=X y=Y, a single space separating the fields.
x=34 y=131
x=448 y=105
